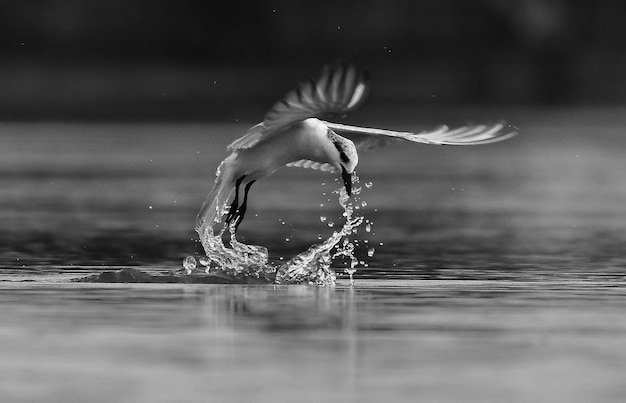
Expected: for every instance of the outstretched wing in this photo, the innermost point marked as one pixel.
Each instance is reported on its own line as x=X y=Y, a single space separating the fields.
x=339 y=89
x=367 y=138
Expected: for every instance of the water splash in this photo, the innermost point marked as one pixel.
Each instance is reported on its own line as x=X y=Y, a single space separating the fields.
x=189 y=263
x=242 y=261
x=313 y=266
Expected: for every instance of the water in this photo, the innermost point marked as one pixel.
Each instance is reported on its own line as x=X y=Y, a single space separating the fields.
x=498 y=272
x=243 y=261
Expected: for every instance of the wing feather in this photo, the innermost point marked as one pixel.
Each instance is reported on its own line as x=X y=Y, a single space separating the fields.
x=313 y=165
x=366 y=138
x=339 y=90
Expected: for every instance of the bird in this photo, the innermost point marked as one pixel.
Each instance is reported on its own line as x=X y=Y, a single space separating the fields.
x=293 y=134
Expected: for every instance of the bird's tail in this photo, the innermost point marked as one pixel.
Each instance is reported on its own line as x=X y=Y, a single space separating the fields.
x=213 y=207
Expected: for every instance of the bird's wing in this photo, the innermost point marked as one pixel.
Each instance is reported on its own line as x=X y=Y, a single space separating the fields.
x=313 y=165
x=367 y=138
x=339 y=90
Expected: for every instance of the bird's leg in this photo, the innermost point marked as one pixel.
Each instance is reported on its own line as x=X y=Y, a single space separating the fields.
x=234 y=206
x=242 y=210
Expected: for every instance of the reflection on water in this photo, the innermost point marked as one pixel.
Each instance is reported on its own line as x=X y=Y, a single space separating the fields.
x=426 y=340
x=498 y=272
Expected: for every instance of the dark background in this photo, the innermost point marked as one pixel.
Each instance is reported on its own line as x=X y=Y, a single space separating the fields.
x=194 y=60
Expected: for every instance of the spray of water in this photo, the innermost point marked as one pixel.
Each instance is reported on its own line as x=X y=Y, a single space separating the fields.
x=313 y=266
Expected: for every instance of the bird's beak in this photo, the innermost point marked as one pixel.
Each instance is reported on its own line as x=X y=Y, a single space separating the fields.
x=347 y=180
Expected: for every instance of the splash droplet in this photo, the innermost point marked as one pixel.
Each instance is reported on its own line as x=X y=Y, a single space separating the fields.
x=370 y=252
x=368 y=227
x=204 y=261
x=368 y=185
x=189 y=263
x=331 y=224
x=323 y=218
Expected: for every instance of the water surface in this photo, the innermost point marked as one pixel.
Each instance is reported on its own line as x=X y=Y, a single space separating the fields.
x=498 y=273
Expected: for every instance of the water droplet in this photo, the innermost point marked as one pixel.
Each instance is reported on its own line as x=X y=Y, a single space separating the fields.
x=363 y=203
x=368 y=227
x=319 y=236
x=368 y=185
x=189 y=263
x=381 y=244
x=370 y=252
x=331 y=224
x=323 y=218
x=287 y=239
x=150 y=207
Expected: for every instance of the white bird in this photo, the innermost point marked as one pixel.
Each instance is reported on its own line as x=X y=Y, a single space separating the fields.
x=291 y=135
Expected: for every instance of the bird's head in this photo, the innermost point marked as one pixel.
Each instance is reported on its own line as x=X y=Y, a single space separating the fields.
x=345 y=158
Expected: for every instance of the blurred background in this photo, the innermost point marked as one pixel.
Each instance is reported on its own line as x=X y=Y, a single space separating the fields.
x=115 y=114
x=158 y=59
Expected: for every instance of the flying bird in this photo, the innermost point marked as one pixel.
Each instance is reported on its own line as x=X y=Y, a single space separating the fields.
x=292 y=134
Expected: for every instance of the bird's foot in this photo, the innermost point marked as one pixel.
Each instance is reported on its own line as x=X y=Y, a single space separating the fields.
x=235 y=216
x=233 y=212
x=233 y=219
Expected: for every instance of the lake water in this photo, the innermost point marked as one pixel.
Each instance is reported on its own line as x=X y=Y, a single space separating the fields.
x=498 y=272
